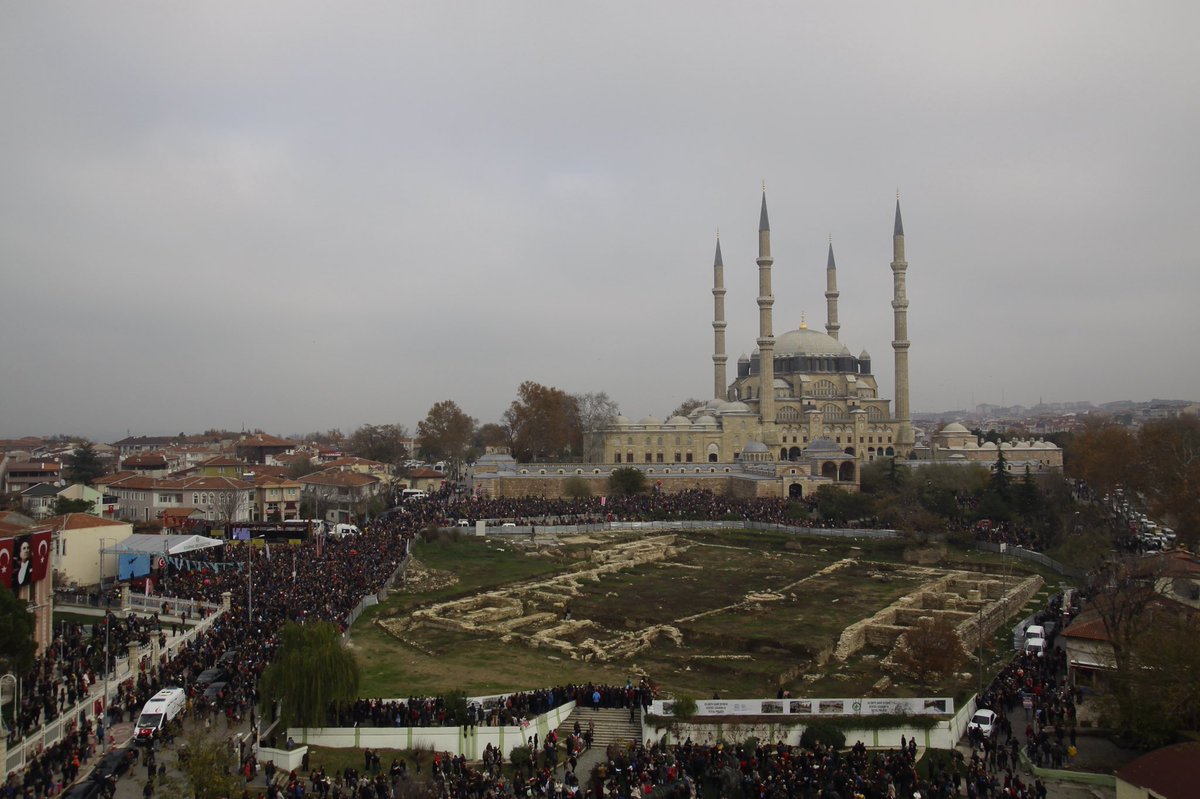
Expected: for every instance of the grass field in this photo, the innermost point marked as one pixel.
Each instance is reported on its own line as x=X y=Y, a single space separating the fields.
x=753 y=611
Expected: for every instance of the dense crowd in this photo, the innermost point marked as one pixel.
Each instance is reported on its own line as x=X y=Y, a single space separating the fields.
x=326 y=579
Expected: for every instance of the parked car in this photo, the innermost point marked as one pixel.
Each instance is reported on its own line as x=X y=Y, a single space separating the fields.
x=210 y=676
x=984 y=720
x=213 y=692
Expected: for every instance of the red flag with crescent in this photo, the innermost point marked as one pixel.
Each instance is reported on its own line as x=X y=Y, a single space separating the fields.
x=41 y=555
x=6 y=556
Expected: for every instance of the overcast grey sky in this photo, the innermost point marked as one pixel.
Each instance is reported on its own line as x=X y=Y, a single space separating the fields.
x=298 y=216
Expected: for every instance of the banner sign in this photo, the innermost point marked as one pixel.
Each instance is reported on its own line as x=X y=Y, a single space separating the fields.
x=921 y=706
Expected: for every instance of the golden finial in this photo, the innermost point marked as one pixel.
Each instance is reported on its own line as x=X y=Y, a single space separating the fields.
x=803 y=321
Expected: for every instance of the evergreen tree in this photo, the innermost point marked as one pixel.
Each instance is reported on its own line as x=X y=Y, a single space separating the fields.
x=1001 y=479
x=85 y=465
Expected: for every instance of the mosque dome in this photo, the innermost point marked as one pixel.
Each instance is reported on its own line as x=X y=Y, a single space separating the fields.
x=620 y=421
x=822 y=444
x=809 y=342
x=736 y=407
x=955 y=428
x=649 y=420
x=754 y=446
x=714 y=404
x=704 y=420
x=679 y=421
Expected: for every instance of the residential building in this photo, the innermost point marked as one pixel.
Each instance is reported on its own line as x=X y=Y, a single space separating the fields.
x=38 y=500
x=78 y=540
x=340 y=495
x=262 y=448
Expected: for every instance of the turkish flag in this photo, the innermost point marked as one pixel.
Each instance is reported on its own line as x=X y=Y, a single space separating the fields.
x=41 y=555
x=6 y=556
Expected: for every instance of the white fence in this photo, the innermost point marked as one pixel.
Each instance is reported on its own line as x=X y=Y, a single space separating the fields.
x=945 y=734
x=468 y=741
x=808 y=708
x=671 y=526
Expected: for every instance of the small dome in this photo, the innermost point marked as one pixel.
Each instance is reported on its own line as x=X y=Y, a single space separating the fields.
x=755 y=446
x=1005 y=445
x=988 y=445
x=864 y=356
x=972 y=444
x=822 y=444
x=679 y=421
x=715 y=404
x=620 y=421
x=744 y=358
x=649 y=420
x=781 y=383
x=955 y=428
x=736 y=407
x=705 y=421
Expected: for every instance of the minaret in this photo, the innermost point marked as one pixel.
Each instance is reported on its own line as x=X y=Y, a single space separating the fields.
x=766 y=338
x=904 y=432
x=831 y=295
x=719 y=357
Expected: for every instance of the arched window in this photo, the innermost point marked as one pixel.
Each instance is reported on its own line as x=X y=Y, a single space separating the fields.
x=824 y=388
x=846 y=473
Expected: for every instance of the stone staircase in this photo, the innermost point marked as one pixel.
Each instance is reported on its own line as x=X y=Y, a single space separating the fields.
x=612 y=724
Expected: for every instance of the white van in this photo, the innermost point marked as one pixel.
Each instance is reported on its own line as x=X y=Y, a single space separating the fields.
x=164 y=706
x=412 y=493
x=1035 y=631
x=340 y=530
x=1035 y=646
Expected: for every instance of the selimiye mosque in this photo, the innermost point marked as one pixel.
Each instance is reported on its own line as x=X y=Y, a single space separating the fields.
x=800 y=412
x=799 y=400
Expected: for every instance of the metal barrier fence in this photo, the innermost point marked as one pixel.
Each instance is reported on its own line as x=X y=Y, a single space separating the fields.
x=671 y=526
x=127 y=666
x=1033 y=557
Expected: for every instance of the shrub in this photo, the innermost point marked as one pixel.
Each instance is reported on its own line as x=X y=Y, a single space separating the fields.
x=822 y=732
x=521 y=756
x=683 y=708
x=626 y=481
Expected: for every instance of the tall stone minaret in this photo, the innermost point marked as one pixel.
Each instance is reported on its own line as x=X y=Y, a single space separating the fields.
x=719 y=357
x=766 y=338
x=904 y=432
x=831 y=295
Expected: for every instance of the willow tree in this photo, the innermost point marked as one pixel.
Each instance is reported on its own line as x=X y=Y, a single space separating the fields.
x=310 y=674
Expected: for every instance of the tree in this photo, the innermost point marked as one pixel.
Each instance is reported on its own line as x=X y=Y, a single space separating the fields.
x=1103 y=455
x=228 y=503
x=207 y=766
x=931 y=647
x=386 y=443
x=626 y=481
x=492 y=435
x=686 y=407
x=544 y=423
x=596 y=412
x=85 y=465
x=311 y=673
x=1001 y=479
x=1123 y=590
x=63 y=506
x=17 y=646
x=445 y=434
x=1170 y=464
x=301 y=467
x=836 y=504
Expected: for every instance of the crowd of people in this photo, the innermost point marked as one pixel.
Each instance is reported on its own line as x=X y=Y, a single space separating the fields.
x=326 y=579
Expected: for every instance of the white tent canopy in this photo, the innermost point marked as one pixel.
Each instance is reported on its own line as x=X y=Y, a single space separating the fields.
x=142 y=544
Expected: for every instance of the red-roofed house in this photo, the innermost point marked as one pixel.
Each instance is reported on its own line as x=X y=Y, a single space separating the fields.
x=1172 y=772
x=262 y=448
x=340 y=495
